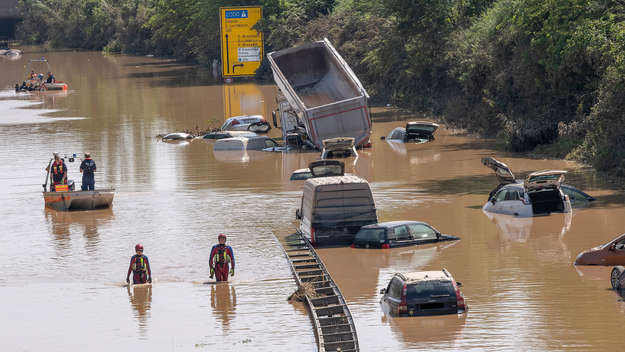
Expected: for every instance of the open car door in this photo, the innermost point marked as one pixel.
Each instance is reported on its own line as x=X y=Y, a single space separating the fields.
x=502 y=171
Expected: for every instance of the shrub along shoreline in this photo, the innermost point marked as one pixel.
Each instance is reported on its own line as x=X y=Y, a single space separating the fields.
x=541 y=76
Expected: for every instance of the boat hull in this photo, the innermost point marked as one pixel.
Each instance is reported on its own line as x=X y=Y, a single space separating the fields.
x=79 y=200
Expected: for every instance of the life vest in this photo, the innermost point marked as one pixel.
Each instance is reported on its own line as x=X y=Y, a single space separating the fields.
x=57 y=168
x=222 y=256
x=139 y=264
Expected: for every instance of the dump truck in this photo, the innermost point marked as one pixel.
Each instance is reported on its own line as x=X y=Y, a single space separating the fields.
x=320 y=97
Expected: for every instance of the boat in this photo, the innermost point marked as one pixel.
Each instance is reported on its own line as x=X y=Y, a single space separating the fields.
x=36 y=81
x=65 y=198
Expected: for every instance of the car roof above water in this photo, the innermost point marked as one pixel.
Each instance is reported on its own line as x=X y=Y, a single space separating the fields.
x=335 y=180
x=421 y=276
x=390 y=224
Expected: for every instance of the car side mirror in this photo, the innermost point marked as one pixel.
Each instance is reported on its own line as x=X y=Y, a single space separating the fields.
x=298 y=214
x=612 y=247
x=459 y=284
x=493 y=200
x=383 y=291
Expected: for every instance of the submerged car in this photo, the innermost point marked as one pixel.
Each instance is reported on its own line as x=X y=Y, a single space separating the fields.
x=177 y=136
x=541 y=192
x=319 y=168
x=397 y=234
x=340 y=147
x=422 y=293
x=252 y=123
x=611 y=253
x=245 y=143
x=416 y=131
x=228 y=134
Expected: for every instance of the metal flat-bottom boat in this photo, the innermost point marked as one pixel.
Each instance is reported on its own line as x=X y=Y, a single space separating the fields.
x=79 y=200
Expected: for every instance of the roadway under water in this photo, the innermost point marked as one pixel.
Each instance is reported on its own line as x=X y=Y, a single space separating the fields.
x=62 y=273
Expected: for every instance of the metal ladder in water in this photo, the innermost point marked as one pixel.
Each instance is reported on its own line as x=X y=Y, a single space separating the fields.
x=333 y=323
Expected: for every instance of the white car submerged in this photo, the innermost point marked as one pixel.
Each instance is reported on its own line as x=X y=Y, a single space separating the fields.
x=539 y=194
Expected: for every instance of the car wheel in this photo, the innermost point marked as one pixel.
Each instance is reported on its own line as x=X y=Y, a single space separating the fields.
x=616 y=277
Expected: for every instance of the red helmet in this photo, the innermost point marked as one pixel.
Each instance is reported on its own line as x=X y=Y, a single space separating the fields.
x=139 y=247
x=221 y=235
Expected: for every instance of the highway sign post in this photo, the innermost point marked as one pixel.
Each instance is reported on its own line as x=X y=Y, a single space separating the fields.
x=241 y=46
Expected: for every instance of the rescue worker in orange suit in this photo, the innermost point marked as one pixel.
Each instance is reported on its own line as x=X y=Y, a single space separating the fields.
x=220 y=258
x=140 y=267
x=59 y=172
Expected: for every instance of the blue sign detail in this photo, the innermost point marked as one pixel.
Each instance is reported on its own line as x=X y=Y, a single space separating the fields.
x=236 y=13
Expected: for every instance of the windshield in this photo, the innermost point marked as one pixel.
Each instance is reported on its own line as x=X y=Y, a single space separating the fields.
x=370 y=235
x=429 y=289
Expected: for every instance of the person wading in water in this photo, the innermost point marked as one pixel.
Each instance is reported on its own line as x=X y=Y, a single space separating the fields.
x=140 y=267
x=220 y=258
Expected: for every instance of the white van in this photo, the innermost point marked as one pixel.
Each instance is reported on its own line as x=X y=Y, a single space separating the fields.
x=334 y=208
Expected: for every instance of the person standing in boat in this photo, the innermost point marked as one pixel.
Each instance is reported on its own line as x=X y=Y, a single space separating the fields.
x=87 y=168
x=58 y=171
x=140 y=267
x=220 y=258
x=51 y=78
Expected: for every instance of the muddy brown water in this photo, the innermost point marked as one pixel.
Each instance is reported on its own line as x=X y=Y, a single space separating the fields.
x=62 y=273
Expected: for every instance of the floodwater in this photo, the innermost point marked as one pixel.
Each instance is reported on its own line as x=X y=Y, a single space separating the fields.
x=62 y=274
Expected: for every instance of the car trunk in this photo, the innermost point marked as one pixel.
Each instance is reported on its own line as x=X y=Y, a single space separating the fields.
x=431 y=298
x=543 y=188
x=545 y=201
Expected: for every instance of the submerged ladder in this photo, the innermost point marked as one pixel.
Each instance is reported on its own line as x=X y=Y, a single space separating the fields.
x=333 y=323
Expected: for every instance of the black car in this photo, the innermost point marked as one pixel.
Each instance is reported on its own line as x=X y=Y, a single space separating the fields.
x=397 y=234
x=422 y=293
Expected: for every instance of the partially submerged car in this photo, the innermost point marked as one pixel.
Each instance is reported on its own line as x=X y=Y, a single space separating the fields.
x=505 y=176
x=422 y=293
x=177 y=136
x=340 y=147
x=541 y=193
x=245 y=143
x=252 y=123
x=611 y=253
x=397 y=234
x=320 y=168
x=416 y=131
x=228 y=134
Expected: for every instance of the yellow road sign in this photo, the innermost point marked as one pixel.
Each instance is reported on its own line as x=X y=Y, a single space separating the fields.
x=241 y=46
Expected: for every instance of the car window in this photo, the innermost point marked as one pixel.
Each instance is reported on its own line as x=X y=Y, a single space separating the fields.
x=395 y=288
x=421 y=231
x=390 y=234
x=402 y=234
x=620 y=245
x=501 y=195
x=512 y=195
x=429 y=289
x=370 y=235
